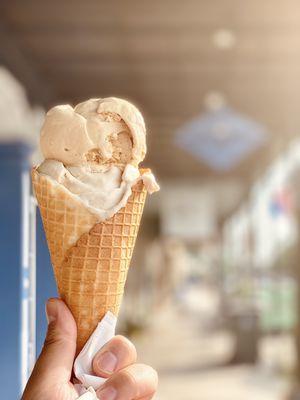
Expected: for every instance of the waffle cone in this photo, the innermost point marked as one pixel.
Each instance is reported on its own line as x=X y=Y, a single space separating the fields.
x=90 y=259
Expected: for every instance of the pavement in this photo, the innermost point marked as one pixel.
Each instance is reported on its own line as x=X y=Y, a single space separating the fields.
x=193 y=361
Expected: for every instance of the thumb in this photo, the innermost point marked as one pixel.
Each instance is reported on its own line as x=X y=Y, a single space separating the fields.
x=55 y=362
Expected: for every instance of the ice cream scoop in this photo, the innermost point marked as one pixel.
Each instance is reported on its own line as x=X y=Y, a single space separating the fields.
x=97 y=131
x=94 y=150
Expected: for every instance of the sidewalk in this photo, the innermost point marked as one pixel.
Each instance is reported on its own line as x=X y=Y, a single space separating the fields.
x=192 y=363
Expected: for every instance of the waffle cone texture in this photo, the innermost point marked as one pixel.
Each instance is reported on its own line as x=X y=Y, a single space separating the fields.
x=90 y=259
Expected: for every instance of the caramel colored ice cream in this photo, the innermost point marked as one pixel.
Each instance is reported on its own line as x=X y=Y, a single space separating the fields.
x=94 y=151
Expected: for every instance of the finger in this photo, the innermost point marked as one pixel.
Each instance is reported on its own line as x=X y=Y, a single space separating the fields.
x=117 y=354
x=56 y=359
x=135 y=382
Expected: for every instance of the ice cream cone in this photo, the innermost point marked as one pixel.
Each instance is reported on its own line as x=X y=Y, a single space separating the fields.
x=90 y=258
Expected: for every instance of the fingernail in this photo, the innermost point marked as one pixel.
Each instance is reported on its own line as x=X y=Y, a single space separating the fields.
x=51 y=310
x=107 y=361
x=108 y=393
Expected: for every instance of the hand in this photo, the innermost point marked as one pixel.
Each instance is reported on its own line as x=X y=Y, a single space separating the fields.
x=51 y=376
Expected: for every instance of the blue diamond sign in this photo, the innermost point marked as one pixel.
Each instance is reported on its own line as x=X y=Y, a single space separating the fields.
x=221 y=138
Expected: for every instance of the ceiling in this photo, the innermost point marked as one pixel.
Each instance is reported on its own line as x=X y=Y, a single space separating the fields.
x=166 y=56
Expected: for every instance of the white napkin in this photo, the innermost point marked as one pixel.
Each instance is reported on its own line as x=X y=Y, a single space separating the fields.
x=83 y=363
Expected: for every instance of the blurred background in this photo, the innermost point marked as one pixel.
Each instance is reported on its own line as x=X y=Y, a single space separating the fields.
x=212 y=300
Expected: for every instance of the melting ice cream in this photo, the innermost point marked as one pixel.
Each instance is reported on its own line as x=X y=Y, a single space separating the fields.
x=94 y=151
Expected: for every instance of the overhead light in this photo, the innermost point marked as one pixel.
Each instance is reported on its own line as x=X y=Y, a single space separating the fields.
x=214 y=100
x=224 y=39
x=221 y=138
x=221 y=131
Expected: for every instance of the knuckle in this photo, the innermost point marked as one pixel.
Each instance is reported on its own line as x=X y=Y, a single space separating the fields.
x=149 y=370
x=128 y=379
x=54 y=337
x=140 y=379
x=51 y=336
x=120 y=341
x=152 y=374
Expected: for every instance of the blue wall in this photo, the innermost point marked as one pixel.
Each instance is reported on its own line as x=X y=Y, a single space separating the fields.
x=45 y=282
x=13 y=160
